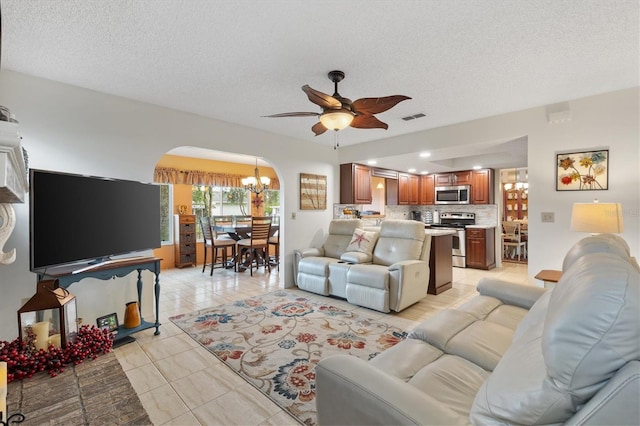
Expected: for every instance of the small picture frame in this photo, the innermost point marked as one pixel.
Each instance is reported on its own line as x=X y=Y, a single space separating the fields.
x=108 y=322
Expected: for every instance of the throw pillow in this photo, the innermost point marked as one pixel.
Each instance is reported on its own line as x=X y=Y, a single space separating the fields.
x=363 y=241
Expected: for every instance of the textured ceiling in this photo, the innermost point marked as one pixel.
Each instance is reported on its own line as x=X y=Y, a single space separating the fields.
x=240 y=60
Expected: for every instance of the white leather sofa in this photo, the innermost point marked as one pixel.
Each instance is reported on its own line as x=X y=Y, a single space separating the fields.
x=514 y=354
x=391 y=273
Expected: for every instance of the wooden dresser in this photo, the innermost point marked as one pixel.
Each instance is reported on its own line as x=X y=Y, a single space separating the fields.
x=184 y=241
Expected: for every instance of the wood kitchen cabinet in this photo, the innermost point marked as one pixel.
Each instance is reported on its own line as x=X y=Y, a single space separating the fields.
x=427 y=190
x=480 y=248
x=408 y=189
x=482 y=186
x=355 y=184
x=454 y=178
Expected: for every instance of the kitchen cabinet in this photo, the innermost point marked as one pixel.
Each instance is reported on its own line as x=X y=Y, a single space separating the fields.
x=414 y=190
x=185 y=240
x=408 y=189
x=355 y=184
x=384 y=173
x=480 y=248
x=482 y=186
x=453 y=178
x=427 y=190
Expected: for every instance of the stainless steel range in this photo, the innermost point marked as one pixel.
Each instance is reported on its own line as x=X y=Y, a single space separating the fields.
x=457 y=222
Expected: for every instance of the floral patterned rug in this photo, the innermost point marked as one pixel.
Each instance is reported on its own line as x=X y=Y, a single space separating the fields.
x=274 y=342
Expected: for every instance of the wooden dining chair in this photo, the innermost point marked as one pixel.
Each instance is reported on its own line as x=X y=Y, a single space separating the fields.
x=220 y=220
x=257 y=246
x=217 y=246
x=274 y=240
x=243 y=220
x=512 y=238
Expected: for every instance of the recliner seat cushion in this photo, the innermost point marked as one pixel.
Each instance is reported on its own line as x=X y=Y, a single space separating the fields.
x=452 y=381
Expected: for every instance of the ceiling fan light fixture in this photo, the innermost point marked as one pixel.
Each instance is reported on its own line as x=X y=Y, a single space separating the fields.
x=336 y=119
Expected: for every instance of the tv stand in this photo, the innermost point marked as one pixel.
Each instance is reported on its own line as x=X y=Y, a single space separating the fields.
x=67 y=275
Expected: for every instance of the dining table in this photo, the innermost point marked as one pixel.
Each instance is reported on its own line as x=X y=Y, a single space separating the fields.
x=238 y=232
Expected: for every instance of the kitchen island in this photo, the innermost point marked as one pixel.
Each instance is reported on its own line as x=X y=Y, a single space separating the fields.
x=440 y=260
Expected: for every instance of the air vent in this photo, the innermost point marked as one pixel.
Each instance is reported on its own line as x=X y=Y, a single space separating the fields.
x=414 y=116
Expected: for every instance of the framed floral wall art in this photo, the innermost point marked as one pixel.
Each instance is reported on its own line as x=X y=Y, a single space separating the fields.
x=582 y=171
x=313 y=192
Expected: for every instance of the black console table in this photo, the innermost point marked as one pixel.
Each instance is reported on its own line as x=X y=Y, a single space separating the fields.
x=69 y=274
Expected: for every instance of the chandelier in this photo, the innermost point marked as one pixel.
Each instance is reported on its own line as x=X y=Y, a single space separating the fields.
x=255 y=183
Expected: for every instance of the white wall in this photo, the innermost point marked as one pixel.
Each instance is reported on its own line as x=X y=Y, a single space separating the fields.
x=71 y=129
x=609 y=120
x=76 y=130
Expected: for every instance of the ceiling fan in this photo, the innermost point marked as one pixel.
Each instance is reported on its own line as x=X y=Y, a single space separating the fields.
x=339 y=112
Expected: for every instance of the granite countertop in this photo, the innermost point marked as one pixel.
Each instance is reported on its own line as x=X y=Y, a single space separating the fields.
x=439 y=232
x=481 y=226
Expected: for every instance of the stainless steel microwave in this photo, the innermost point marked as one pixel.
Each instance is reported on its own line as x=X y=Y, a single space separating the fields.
x=453 y=194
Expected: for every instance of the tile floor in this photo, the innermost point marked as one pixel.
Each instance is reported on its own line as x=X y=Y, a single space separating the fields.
x=181 y=383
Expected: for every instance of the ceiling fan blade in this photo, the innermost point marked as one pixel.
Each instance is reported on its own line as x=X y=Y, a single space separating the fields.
x=318 y=128
x=368 y=122
x=294 y=114
x=377 y=105
x=321 y=99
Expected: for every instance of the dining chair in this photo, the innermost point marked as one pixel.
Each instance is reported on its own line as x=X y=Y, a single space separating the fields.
x=217 y=246
x=243 y=220
x=220 y=220
x=257 y=246
x=512 y=238
x=274 y=240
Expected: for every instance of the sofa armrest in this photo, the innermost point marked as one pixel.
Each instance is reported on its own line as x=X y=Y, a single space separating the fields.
x=408 y=283
x=300 y=254
x=351 y=391
x=616 y=402
x=520 y=295
x=309 y=252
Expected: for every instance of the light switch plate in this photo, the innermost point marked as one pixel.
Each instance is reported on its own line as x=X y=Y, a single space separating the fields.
x=547 y=217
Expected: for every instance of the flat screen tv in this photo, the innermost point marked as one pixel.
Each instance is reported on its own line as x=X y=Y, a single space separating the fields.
x=76 y=218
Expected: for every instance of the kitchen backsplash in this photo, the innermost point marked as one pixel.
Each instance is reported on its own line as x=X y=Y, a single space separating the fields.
x=486 y=214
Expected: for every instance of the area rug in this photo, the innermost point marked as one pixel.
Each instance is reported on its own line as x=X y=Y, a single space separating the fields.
x=274 y=342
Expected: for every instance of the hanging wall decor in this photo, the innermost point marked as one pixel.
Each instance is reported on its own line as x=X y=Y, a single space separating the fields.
x=313 y=192
x=582 y=171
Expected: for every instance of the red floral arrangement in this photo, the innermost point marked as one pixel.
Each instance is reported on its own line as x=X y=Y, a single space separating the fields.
x=23 y=360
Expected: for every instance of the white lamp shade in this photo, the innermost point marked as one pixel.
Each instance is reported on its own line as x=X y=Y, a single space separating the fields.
x=597 y=218
x=265 y=180
x=336 y=120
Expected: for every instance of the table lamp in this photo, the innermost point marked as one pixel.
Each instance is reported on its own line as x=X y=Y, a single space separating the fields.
x=597 y=218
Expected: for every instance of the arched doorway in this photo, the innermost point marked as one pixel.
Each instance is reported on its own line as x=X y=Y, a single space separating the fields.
x=205 y=182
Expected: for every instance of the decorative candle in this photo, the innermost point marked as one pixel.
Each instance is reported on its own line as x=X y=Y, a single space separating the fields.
x=3 y=391
x=41 y=331
x=54 y=340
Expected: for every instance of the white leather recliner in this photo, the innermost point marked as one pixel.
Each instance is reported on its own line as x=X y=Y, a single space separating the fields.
x=393 y=276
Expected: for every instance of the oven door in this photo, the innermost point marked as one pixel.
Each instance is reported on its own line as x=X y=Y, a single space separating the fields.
x=459 y=251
